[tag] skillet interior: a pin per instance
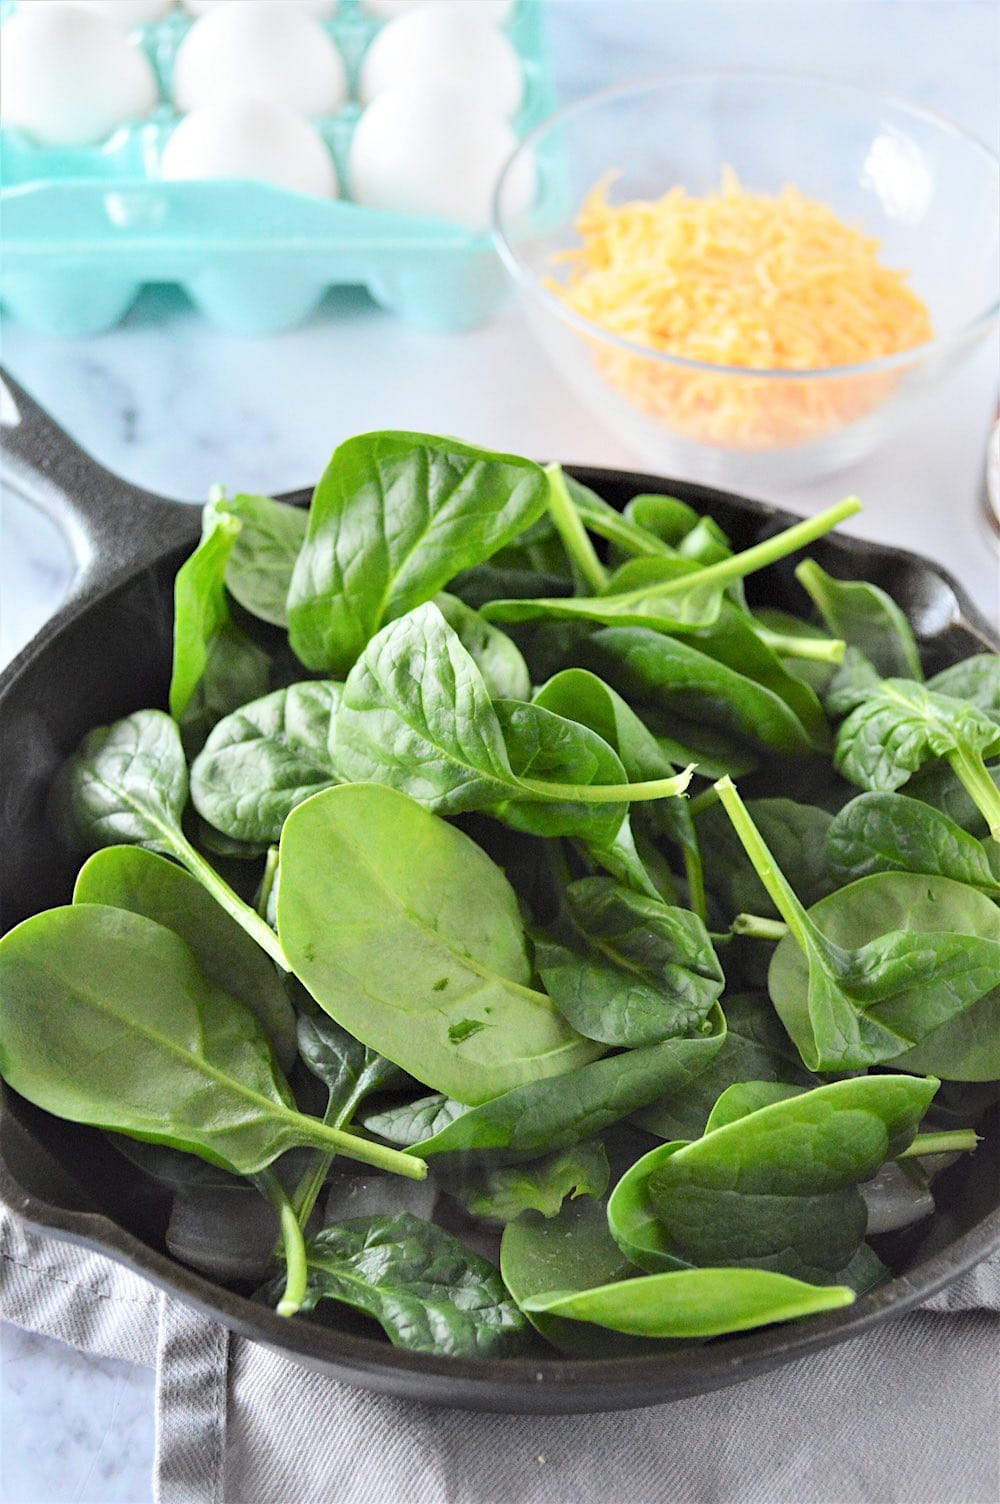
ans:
(99, 661)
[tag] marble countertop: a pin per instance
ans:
(176, 406)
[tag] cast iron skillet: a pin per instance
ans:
(107, 652)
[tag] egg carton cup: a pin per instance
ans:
(84, 228)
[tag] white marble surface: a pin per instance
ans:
(175, 406)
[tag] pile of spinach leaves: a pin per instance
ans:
(432, 866)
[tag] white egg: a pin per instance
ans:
(497, 12)
(250, 138)
(447, 43)
(127, 13)
(68, 76)
(321, 8)
(261, 49)
(434, 149)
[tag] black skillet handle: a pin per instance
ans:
(110, 525)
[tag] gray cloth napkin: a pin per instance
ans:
(909, 1414)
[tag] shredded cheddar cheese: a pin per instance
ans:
(770, 283)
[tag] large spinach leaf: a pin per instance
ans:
(265, 758)
(672, 675)
(550, 1114)
(773, 1182)
(627, 969)
(410, 937)
(395, 516)
(692, 1303)
(416, 715)
(893, 833)
(898, 726)
(426, 1290)
(498, 659)
(109, 1020)
(130, 877)
(866, 618)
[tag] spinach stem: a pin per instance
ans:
(263, 897)
(757, 927)
(778, 888)
(572, 531)
(616, 529)
(611, 793)
(694, 871)
(970, 769)
(223, 894)
(307, 1191)
(738, 566)
(368, 1151)
(292, 1244)
(815, 649)
(955, 1141)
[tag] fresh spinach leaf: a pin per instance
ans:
(409, 1123)
(426, 1290)
(128, 783)
(417, 716)
(626, 969)
(498, 659)
(893, 833)
(265, 758)
(216, 665)
(756, 1048)
(407, 934)
(931, 953)
(109, 1020)
(866, 618)
(669, 593)
(773, 1182)
(692, 1302)
(393, 519)
(262, 558)
(552, 1113)
(946, 998)
(975, 680)
(901, 725)
(672, 676)
(132, 878)
(571, 1251)
(504, 1192)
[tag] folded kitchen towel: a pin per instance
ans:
(908, 1414)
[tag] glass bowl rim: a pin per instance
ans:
(526, 278)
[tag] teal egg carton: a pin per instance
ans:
(85, 228)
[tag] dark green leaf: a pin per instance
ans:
(975, 680)
(260, 565)
(425, 1289)
(125, 783)
(498, 659)
(795, 834)
(866, 618)
(348, 1069)
(265, 758)
(394, 518)
(893, 833)
(627, 969)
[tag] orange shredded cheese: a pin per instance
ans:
(770, 283)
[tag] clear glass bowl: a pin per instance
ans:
(929, 192)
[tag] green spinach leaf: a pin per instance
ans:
(866, 618)
(498, 659)
(426, 1290)
(504, 1192)
(262, 558)
(975, 680)
(900, 725)
(407, 934)
(893, 833)
(394, 518)
(109, 1020)
(130, 877)
(265, 758)
(626, 969)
